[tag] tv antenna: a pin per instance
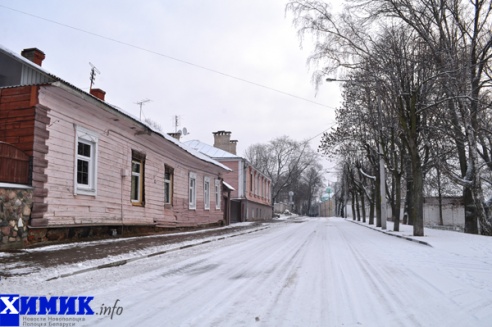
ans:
(176, 123)
(141, 103)
(176, 120)
(94, 71)
(185, 131)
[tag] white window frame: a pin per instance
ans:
(217, 194)
(140, 175)
(192, 191)
(206, 192)
(91, 138)
(168, 198)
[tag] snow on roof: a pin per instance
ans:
(210, 151)
(58, 82)
(228, 186)
(191, 150)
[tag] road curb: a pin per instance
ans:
(395, 235)
(125, 261)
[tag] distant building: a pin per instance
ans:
(252, 195)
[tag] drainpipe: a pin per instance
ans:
(245, 171)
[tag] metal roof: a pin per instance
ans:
(211, 151)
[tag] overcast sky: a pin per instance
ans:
(252, 40)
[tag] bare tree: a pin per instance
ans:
(458, 35)
(429, 58)
(284, 161)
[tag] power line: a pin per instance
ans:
(168, 57)
(312, 138)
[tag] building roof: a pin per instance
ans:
(58, 82)
(228, 186)
(211, 151)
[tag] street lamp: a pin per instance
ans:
(382, 172)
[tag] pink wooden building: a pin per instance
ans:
(94, 164)
(252, 195)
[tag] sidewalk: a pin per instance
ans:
(456, 242)
(405, 232)
(78, 257)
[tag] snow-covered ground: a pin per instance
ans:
(15, 264)
(316, 272)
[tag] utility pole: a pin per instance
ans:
(382, 172)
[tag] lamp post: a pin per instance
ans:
(382, 172)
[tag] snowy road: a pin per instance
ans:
(321, 272)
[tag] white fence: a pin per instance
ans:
(453, 213)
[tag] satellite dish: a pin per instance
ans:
(185, 131)
(179, 132)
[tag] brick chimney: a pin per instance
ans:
(177, 135)
(34, 54)
(222, 140)
(233, 146)
(98, 93)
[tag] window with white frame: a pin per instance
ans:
(137, 178)
(206, 192)
(168, 184)
(192, 191)
(85, 162)
(217, 194)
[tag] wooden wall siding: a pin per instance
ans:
(117, 136)
(17, 114)
(14, 165)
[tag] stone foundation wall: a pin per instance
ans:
(15, 211)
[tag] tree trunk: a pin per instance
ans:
(371, 208)
(459, 139)
(476, 188)
(396, 212)
(417, 213)
(357, 205)
(439, 195)
(407, 218)
(363, 206)
(377, 200)
(353, 207)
